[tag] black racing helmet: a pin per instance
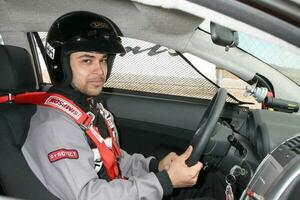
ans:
(79, 31)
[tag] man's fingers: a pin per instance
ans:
(197, 167)
(195, 172)
(187, 153)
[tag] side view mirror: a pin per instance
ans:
(223, 36)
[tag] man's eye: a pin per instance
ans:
(87, 61)
(104, 60)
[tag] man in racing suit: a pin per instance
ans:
(80, 49)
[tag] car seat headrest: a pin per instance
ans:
(16, 71)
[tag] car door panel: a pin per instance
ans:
(154, 125)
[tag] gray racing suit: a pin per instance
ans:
(58, 153)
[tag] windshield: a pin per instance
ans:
(286, 62)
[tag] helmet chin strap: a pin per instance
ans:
(74, 87)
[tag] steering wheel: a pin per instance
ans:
(207, 126)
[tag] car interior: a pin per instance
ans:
(225, 131)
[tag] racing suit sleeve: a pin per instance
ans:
(134, 165)
(69, 178)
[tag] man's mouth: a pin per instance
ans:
(96, 81)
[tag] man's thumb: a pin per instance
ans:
(187, 152)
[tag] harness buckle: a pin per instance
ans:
(91, 115)
(90, 120)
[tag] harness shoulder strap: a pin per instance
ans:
(83, 119)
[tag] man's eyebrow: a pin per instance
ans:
(89, 56)
(86, 56)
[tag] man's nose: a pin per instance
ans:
(99, 68)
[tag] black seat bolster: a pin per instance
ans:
(16, 177)
(17, 76)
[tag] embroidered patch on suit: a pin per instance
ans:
(62, 154)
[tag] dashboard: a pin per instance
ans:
(267, 129)
(272, 161)
(278, 175)
(272, 142)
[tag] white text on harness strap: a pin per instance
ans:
(63, 105)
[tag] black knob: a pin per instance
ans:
(234, 142)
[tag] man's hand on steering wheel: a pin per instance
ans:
(180, 174)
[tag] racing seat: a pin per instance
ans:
(17, 76)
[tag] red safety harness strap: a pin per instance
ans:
(83, 119)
